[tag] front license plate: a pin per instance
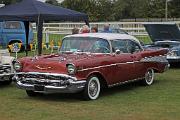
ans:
(39, 88)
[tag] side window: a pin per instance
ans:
(119, 45)
(133, 46)
(12, 25)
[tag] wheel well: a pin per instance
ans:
(155, 70)
(14, 41)
(101, 79)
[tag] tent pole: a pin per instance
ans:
(26, 24)
(39, 34)
(87, 22)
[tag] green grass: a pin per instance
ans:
(144, 39)
(127, 102)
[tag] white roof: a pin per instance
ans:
(108, 36)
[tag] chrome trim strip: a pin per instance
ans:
(159, 58)
(121, 83)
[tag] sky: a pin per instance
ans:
(57, 0)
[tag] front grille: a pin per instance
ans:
(5, 68)
(42, 77)
(38, 82)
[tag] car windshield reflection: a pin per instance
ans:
(85, 44)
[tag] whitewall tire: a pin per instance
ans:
(149, 77)
(92, 88)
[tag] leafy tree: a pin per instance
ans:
(174, 8)
(53, 2)
(7, 2)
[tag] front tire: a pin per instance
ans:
(7, 80)
(92, 88)
(149, 77)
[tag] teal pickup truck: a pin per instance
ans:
(14, 32)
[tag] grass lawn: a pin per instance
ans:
(128, 102)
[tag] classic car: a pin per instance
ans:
(165, 35)
(89, 62)
(6, 68)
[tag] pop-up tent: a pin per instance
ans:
(36, 11)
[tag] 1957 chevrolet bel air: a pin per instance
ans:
(87, 63)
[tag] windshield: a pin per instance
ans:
(85, 44)
(167, 44)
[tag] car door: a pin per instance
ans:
(123, 59)
(136, 50)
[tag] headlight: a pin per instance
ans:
(71, 69)
(17, 65)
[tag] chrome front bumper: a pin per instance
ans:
(41, 82)
(173, 59)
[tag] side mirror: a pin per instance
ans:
(117, 51)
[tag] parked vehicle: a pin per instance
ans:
(87, 63)
(14, 32)
(165, 35)
(6, 68)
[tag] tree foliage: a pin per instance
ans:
(110, 10)
(114, 10)
(53, 2)
(7, 2)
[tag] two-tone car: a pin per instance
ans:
(89, 62)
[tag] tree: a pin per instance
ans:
(7, 2)
(174, 8)
(53, 2)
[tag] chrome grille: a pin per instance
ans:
(5, 68)
(42, 77)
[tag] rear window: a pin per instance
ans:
(12, 25)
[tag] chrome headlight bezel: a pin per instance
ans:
(71, 69)
(17, 65)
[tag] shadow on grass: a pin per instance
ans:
(5, 85)
(77, 97)
(175, 65)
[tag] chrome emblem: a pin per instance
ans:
(42, 68)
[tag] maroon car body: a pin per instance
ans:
(120, 59)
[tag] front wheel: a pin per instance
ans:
(149, 77)
(92, 88)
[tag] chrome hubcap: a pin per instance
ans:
(149, 76)
(93, 88)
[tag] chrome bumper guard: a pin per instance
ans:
(48, 82)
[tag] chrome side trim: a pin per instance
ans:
(125, 82)
(96, 67)
(160, 58)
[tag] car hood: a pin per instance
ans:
(56, 63)
(162, 32)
